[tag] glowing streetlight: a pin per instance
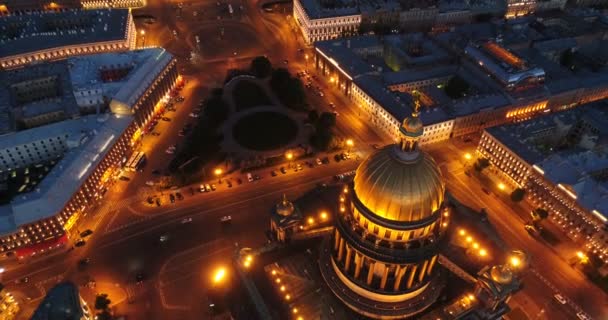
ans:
(311, 220)
(283, 288)
(475, 245)
(469, 239)
(349, 143)
(483, 252)
(289, 157)
(468, 156)
(462, 232)
(515, 261)
(219, 275)
(218, 173)
(142, 32)
(582, 256)
(306, 59)
(287, 297)
(278, 280)
(501, 186)
(324, 215)
(274, 272)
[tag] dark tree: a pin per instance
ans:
(540, 214)
(102, 302)
(566, 59)
(456, 87)
(104, 315)
(289, 89)
(518, 195)
(280, 79)
(481, 164)
(313, 116)
(216, 111)
(261, 67)
(327, 120)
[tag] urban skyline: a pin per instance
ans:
(300, 160)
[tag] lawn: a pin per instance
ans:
(248, 94)
(265, 131)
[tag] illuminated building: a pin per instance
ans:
(20, 6)
(64, 302)
(568, 182)
(285, 220)
(48, 36)
(89, 149)
(388, 236)
(518, 8)
(9, 308)
(97, 4)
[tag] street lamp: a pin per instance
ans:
(501, 186)
(323, 215)
(218, 173)
(219, 275)
(350, 143)
(582, 256)
(289, 157)
(306, 59)
(142, 32)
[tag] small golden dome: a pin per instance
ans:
(501, 275)
(285, 207)
(412, 126)
(399, 186)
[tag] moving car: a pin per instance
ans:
(186, 220)
(583, 316)
(150, 183)
(86, 233)
(226, 219)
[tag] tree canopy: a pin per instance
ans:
(518, 195)
(456, 87)
(289, 89)
(260, 67)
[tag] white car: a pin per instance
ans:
(193, 115)
(201, 188)
(226, 219)
(319, 162)
(150, 183)
(186, 220)
(583, 316)
(170, 151)
(249, 177)
(559, 298)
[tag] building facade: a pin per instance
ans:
(569, 186)
(89, 157)
(324, 27)
(48, 36)
(100, 4)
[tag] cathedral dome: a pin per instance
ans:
(398, 186)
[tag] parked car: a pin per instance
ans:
(201, 188)
(150, 183)
(559, 298)
(193, 115)
(249, 177)
(172, 198)
(186, 220)
(213, 187)
(123, 178)
(583, 316)
(273, 173)
(318, 161)
(86, 233)
(158, 202)
(229, 183)
(226, 219)
(239, 181)
(207, 188)
(179, 196)
(283, 170)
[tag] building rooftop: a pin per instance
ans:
(62, 302)
(93, 137)
(575, 166)
(36, 31)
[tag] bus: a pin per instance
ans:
(136, 162)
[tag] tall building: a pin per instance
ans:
(381, 259)
(63, 302)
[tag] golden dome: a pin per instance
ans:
(412, 126)
(399, 186)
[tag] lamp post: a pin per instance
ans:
(467, 158)
(218, 173)
(289, 157)
(306, 59)
(142, 32)
(349, 143)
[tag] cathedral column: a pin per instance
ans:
(423, 270)
(384, 277)
(399, 275)
(370, 272)
(410, 280)
(341, 249)
(431, 265)
(336, 239)
(358, 264)
(349, 253)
